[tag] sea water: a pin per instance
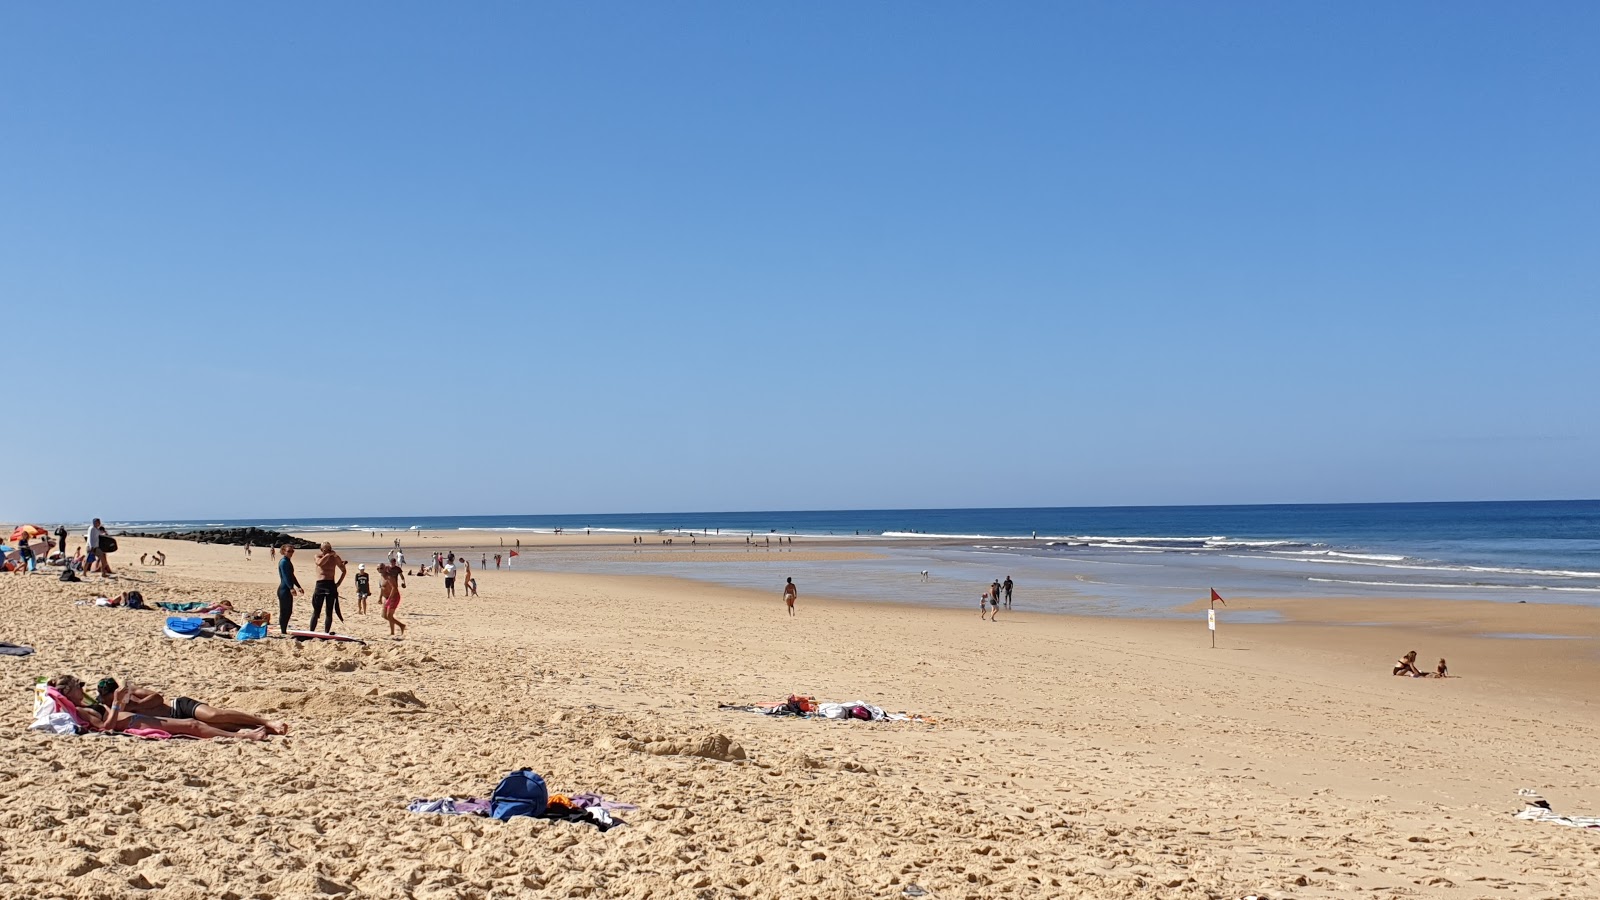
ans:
(1128, 560)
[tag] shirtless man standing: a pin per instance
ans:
(391, 578)
(326, 592)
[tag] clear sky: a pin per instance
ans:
(421, 258)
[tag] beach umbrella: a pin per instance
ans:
(27, 532)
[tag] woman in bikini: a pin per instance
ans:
(147, 702)
(116, 716)
(1407, 665)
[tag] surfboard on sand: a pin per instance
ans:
(323, 636)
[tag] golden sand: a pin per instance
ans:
(1073, 757)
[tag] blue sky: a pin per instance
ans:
(369, 259)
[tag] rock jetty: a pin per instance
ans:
(259, 537)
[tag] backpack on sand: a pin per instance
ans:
(522, 793)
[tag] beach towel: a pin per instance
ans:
(853, 709)
(14, 649)
(1538, 810)
(184, 607)
(594, 810)
(451, 806)
(53, 713)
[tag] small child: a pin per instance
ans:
(1443, 671)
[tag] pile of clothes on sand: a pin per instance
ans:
(523, 793)
(811, 708)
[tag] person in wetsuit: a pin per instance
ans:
(288, 586)
(326, 591)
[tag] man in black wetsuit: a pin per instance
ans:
(326, 592)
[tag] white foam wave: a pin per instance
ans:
(952, 537)
(1458, 586)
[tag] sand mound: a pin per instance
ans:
(707, 746)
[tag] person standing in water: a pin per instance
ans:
(326, 591)
(790, 592)
(1007, 586)
(288, 586)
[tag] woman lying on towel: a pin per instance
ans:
(144, 701)
(117, 716)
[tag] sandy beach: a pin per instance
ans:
(1066, 756)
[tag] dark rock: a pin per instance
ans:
(258, 537)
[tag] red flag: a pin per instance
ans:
(515, 553)
(1217, 598)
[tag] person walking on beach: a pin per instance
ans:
(790, 592)
(1007, 586)
(466, 576)
(363, 588)
(98, 554)
(288, 586)
(61, 539)
(994, 593)
(449, 580)
(326, 591)
(391, 578)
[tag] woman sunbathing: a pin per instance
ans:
(144, 701)
(1407, 665)
(116, 718)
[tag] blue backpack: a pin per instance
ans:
(522, 793)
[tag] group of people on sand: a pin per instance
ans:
(122, 707)
(1407, 666)
(331, 571)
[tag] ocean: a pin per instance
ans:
(1117, 560)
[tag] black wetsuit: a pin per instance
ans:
(286, 585)
(324, 594)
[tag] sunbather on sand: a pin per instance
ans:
(148, 702)
(1407, 665)
(116, 716)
